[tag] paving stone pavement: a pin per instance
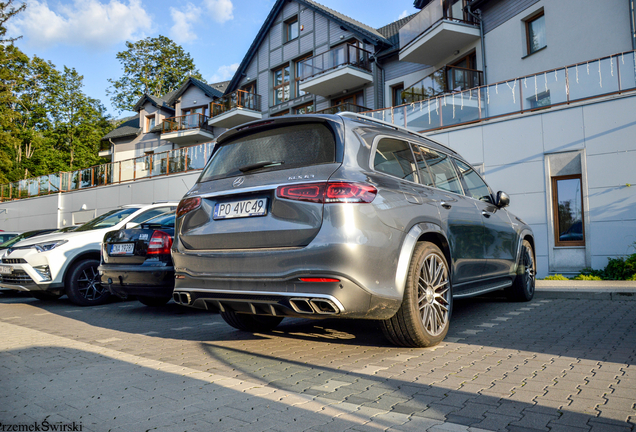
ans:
(547, 365)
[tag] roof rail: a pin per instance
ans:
(356, 116)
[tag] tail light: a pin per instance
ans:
(327, 193)
(160, 243)
(309, 279)
(187, 205)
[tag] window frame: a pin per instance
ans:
(150, 119)
(188, 110)
(394, 89)
(464, 183)
(305, 105)
(528, 23)
(296, 74)
(555, 211)
(288, 23)
(283, 83)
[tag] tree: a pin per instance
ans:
(153, 66)
(7, 11)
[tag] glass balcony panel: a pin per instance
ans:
(143, 167)
(593, 79)
(428, 16)
(177, 160)
(423, 115)
(127, 170)
(160, 164)
(54, 182)
(338, 56)
(502, 98)
(543, 90)
(33, 185)
(196, 157)
(103, 174)
(627, 65)
(86, 178)
(237, 99)
(44, 184)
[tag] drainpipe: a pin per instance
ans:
(633, 22)
(379, 88)
(112, 149)
(477, 15)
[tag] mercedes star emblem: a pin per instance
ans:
(239, 181)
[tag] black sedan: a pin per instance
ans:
(137, 261)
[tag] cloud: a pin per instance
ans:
(220, 10)
(224, 73)
(83, 22)
(184, 20)
(404, 14)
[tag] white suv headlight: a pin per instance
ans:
(43, 247)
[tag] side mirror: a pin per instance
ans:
(131, 225)
(503, 200)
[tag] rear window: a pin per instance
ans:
(275, 149)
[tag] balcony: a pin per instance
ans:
(440, 29)
(235, 109)
(448, 79)
(105, 150)
(187, 129)
(338, 70)
(343, 107)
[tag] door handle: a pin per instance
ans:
(484, 213)
(445, 205)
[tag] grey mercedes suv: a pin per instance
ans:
(342, 216)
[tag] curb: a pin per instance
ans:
(586, 290)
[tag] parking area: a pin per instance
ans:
(548, 365)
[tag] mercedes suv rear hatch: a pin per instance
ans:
(262, 188)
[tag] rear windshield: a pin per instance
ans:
(280, 148)
(108, 219)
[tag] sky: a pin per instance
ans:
(88, 34)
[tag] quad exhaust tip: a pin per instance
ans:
(182, 298)
(314, 306)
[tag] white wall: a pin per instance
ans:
(576, 31)
(514, 150)
(56, 211)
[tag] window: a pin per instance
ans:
(355, 98)
(302, 67)
(291, 29)
(540, 100)
(304, 109)
(149, 214)
(194, 110)
(394, 157)
(474, 186)
(396, 94)
(150, 122)
(535, 33)
(567, 200)
(247, 98)
(281, 84)
(442, 170)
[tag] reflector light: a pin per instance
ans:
(187, 205)
(160, 243)
(319, 280)
(329, 193)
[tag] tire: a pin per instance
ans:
(424, 317)
(154, 301)
(251, 323)
(44, 295)
(83, 286)
(522, 289)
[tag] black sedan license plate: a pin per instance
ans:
(122, 249)
(239, 209)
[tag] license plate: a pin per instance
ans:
(6, 270)
(122, 249)
(239, 209)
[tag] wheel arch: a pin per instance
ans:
(90, 254)
(418, 233)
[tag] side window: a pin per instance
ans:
(474, 185)
(425, 176)
(148, 214)
(442, 170)
(394, 157)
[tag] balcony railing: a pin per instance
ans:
(339, 56)
(588, 80)
(434, 12)
(444, 80)
(185, 122)
(153, 165)
(237, 99)
(342, 108)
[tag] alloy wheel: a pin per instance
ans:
(433, 294)
(89, 284)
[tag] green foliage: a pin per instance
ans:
(587, 277)
(7, 10)
(616, 269)
(153, 66)
(556, 277)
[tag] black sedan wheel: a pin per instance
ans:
(83, 285)
(522, 288)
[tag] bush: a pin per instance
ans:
(587, 277)
(556, 277)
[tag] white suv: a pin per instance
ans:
(51, 265)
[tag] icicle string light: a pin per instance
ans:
(600, 77)
(525, 82)
(453, 102)
(611, 66)
(577, 73)
(556, 76)
(588, 67)
(536, 90)
(461, 95)
(488, 95)
(429, 111)
(512, 89)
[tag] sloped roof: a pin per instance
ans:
(363, 31)
(205, 88)
(129, 127)
(159, 102)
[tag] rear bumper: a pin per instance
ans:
(123, 281)
(285, 297)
